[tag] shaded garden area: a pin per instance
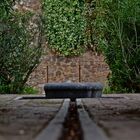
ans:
(70, 28)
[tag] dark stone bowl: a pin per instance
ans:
(73, 90)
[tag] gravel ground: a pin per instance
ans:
(24, 119)
(118, 115)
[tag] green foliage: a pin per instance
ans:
(65, 26)
(90, 10)
(25, 90)
(107, 90)
(19, 55)
(117, 27)
(30, 90)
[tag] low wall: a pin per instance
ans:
(86, 68)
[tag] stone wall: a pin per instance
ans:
(86, 68)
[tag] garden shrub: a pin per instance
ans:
(117, 27)
(20, 47)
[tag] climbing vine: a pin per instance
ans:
(65, 26)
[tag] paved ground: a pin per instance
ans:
(24, 119)
(119, 116)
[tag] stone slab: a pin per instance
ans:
(90, 130)
(54, 129)
(118, 115)
(24, 119)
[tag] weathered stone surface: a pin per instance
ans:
(24, 119)
(117, 114)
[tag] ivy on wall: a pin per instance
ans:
(65, 24)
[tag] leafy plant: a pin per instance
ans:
(30, 90)
(20, 47)
(117, 27)
(90, 10)
(65, 25)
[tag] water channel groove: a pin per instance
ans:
(72, 127)
(72, 122)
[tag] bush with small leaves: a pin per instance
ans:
(20, 47)
(117, 27)
(65, 25)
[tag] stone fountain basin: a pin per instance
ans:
(73, 90)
